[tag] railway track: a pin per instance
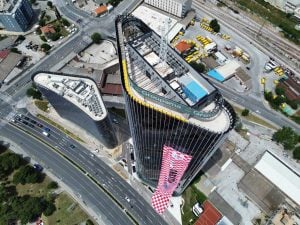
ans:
(288, 52)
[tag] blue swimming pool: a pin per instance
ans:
(214, 74)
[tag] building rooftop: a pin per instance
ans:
(182, 46)
(170, 85)
(100, 10)
(8, 6)
(281, 175)
(8, 64)
(146, 48)
(80, 91)
(209, 216)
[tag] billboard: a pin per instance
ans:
(174, 163)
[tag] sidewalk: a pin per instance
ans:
(17, 149)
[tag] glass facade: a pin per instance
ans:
(156, 120)
(102, 129)
(151, 130)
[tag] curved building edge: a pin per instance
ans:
(100, 129)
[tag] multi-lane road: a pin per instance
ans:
(109, 213)
(109, 180)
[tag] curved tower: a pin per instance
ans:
(78, 99)
(169, 107)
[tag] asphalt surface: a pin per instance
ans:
(94, 166)
(79, 182)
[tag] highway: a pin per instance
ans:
(105, 176)
(80, 183)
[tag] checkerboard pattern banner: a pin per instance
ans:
(174, 164)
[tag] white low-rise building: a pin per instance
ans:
(175, 7)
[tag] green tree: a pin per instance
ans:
(27, 208)
(96, 38)
(27, 174)
(50, 4)
(34, 93)
(65, 22)
(287, 137)
(42, 22)
(215, 25)
(43, 38)
(52, 185)
(245, 112)
(89, 222)
(296, 153)
(15, 50)
(45, 47)
(269, 96)
(199, 67)
(50, 209)
(38, 31)
(33, 2)
(53, 36)
(9, 162)
(279, 91)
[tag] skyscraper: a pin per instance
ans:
(169, 107)
(16, 15)
(77, 99)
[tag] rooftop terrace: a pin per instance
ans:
(170, 86)
(80, 91)
(172, 79)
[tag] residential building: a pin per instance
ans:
(78, 99)
(16, 15)
(177, 8)
(170, 107)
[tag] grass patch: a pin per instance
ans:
(34, 190)
(253, 118)
(274, 16)
(60, 127)
(191, 196)
(42, 105)
(67, 212)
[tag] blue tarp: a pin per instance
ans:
(214, 74)
(194, 91)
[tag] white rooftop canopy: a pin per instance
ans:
(286, 179)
